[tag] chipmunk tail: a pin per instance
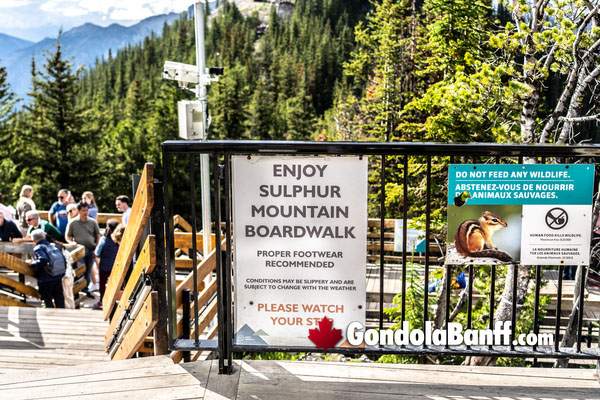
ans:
(500, 255)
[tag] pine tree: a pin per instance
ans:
(59, 149)
(384, 61)
(7, 117)
(7, 100)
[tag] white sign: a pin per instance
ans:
(556, 235)
(300, 226)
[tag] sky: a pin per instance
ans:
(35, 20)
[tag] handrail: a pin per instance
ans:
(411, 164)
(140, 213)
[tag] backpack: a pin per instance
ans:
(57, 264)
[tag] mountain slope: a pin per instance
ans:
(83, 45)
(10, 44)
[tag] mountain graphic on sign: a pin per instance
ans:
(261, 333)
(246, 335)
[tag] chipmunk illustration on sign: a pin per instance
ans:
(474, 237)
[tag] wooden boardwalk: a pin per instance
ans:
(158, 378)
(35, 338)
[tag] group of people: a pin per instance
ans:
(70, 223)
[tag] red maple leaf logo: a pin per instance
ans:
(325, 336)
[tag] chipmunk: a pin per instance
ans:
(474, 237)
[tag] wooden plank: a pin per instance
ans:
(18, 247)
(147, 346)
(376, 223)
(183, 240)
(222, 386)
(79, 286)
(32, 378)
(409, 258)
(145, 264)
(140, 213)
(166, 382)
(203, 320)
(377, 235)
(205, 267)
(20, 287)
(389, 246)
(78, 253)
(16, 264)
(10, 302)
(203, 298)
(103, 218)
(79, 271)
(179, 220)
(185, 263)
(142, 326)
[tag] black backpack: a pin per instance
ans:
(57, 264)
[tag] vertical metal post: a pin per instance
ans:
(448, 288)
(381, 242)
(492, 298)
(582, 282)
(157, 228)
(513, 325)
(427, 233)
(185, 321)
(194, 254)
(201, 95)
(404, 233)
(228, 292)
(536, 310)
(558, 308)
(170, 247)
(222, 301)
(470, 299)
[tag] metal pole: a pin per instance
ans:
(185, 328)
(201, 95)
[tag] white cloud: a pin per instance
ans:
(130, 13)
(114, 9)
(14, 3)
(36, 19)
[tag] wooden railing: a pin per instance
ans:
(129, 302)
(18, 288)
(206, 282)
(101, 218)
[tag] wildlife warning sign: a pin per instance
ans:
(300, 226)
(527, 213)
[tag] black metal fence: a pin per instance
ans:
(386, 158)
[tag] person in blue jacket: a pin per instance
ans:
(106, 253)
(49, 285)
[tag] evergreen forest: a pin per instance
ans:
(384, 70)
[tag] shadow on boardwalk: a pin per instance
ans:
(35, 338)
(159, 378)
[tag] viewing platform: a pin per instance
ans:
(33, 338)
(158, 378)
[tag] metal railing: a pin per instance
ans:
(387, 157)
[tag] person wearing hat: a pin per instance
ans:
(35, 222)
(8, 230)
(48, 263)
